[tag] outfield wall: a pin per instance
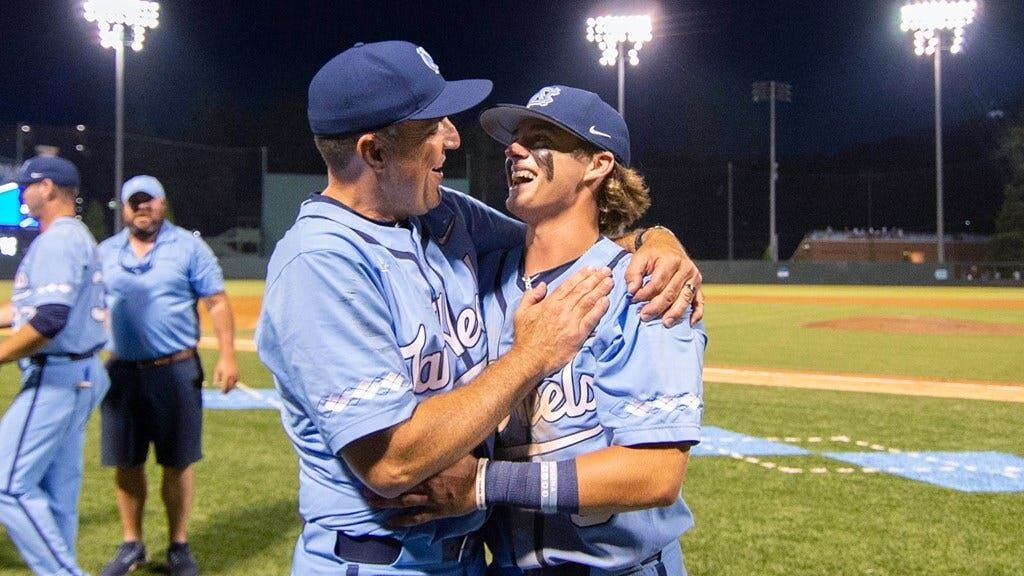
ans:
(875, 273)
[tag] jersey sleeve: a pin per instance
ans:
(58, 267)
(648, 379)
(489, 229)
(334, 349)
(204, 272)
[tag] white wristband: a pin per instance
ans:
(481, 484)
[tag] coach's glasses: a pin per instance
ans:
(140, 266)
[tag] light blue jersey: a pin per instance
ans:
(153, 300)
(632, 383)
(362, 321)
(43, 430)
(60, 267)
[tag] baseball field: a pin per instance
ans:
(848, 430)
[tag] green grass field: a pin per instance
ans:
(750, 519)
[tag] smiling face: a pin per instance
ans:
(545, 167)
(414, 153)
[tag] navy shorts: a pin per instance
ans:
(162, 405)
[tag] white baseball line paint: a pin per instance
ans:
(272, 401)
(249, 391)
(851, 383)
(940, 465)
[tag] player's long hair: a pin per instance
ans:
(621, 200)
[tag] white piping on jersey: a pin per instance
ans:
(538, 448)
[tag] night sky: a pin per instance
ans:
(855, 77)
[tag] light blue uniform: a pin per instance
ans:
(632, 383)
(153, 300)
(41, 434)
(361, 321)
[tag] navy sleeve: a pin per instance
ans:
(50, 319)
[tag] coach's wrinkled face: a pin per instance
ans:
(144, 214)
(414, 154)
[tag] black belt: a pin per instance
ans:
(574, 569)
(40, 359)
(167, 360)
(385, 550)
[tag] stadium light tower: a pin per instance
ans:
(772, 91)
(121, 23)
(613, 34)
(938, 25)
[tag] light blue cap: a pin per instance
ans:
(142, 183)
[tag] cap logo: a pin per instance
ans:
(596, 132)
(544, 96)
(36, 175)
(425, 56)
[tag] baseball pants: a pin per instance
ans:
(41, 461)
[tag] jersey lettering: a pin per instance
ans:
(562, 397)
(432, 370)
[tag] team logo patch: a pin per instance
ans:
(544, 96)
(425, 56)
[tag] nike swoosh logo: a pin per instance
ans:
(596, 132)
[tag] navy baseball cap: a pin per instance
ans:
(35, 169)
(142, 183)
(371, 86)
(580, 112)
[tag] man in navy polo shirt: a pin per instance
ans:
(155, 274)
(57, 310)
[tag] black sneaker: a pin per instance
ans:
(180, 561)
(130, 555)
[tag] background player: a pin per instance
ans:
(57, 310)
(156, 273)
(595, 458)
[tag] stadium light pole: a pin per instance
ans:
(938, 25)
(783, 92)
(19, 141)
(618, 38)
(121, 23)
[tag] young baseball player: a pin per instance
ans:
(587, 471)
(57, 311)
(371, 320)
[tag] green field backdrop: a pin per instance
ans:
(750, 519)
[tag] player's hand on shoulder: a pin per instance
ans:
(673, 279)
(550, 328)
(451, 492)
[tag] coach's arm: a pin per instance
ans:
(444, 428)
(26, 341)
(612, 480)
